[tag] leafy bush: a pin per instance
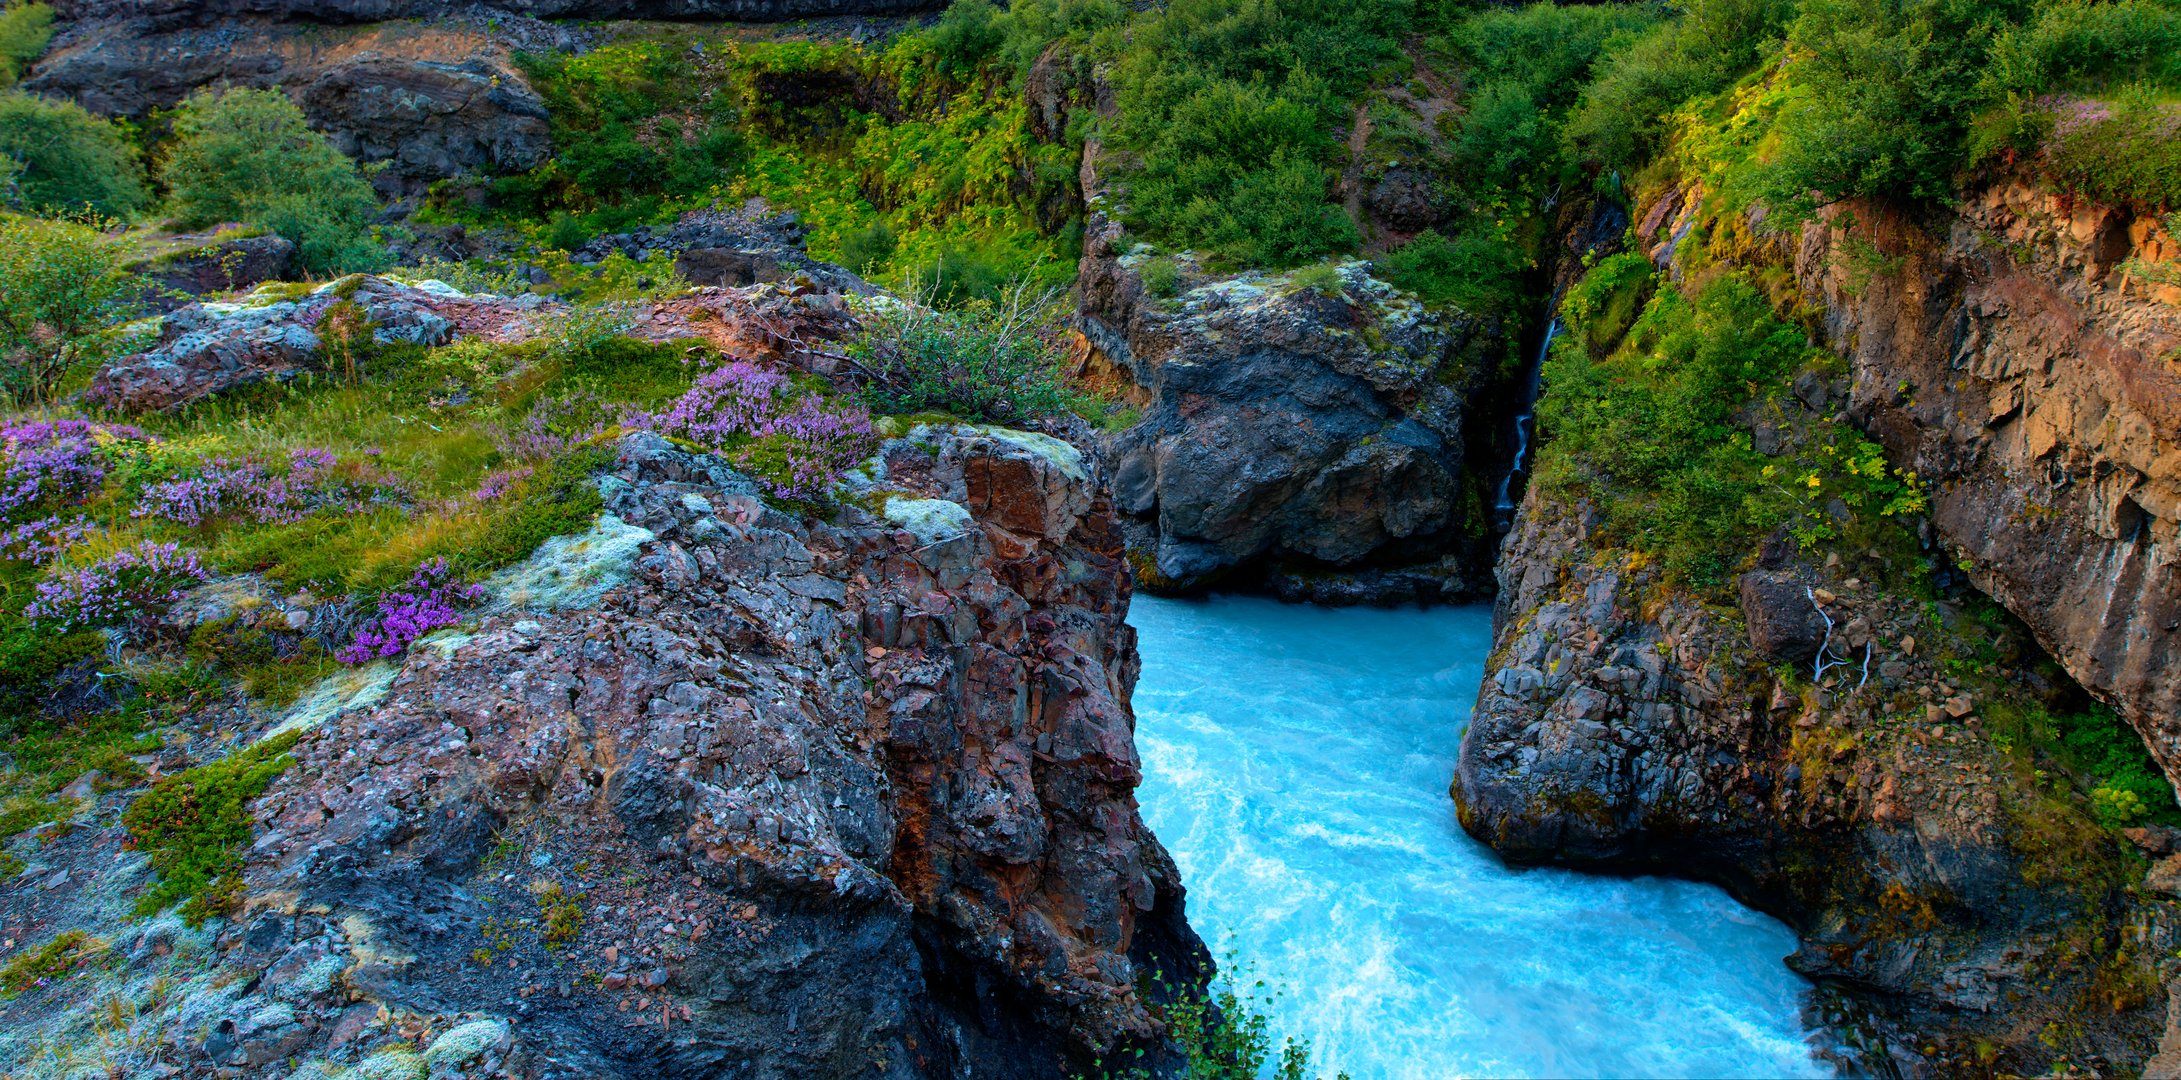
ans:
(1623, 115)
(1477, 272)
(966, 35)
(25, 30)
(1031, 26)
(1230, 111)
(62, 287)
(1544, 50)
(249, 155)
(67, 161)
(1650, 433)
(1161, 276)
(2087, 46)
(196, 827)
(992, 362)
(1884, 90)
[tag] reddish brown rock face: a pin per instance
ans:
(863, 800)
(2020, 371)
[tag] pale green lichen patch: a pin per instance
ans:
(571, 572)
(398, 1063)
(929, 520)
(355, 688)
(465, 1043)
(1062, 455)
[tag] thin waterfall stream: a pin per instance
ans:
(1296, 762)
(1518, 464)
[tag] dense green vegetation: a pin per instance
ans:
(194, 827)
(905, 164)
(63, 160)
(1647, 412)
(25, 30)
(249, 156)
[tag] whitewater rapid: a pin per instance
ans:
(1296, 762)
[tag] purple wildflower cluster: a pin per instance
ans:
(499, 482)
(432, 600)
(227, 485)
(43, 540)
(116, 588)
(816, 440)
(54, 461)
(555, 425)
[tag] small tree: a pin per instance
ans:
(62, 287)
(248, 155)
(25, 29)
(68, 161)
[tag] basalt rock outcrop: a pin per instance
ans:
(216, 262)
(1944, 906)
(1309, 435)
(423, 99)
(1816, 740)
(711, 790)
(2026, 366)
(278, 332)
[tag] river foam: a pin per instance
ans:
(1296, 762)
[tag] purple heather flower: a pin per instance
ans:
(819, 440)
(225, 485)
(54, 461)
(499, 482)
(123, 585)
(433, 599)
(43, 540)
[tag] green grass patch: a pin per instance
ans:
(196, 828)
(56, 959)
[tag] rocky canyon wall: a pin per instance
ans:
(2014, 358)
(1825, 747)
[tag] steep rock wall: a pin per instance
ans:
(1948, 909)
(2015, 364)
(1948, 899)
(428, 99)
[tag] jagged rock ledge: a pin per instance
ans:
(713, 788)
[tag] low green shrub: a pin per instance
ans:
(62, 288)
(993, 362)
(1161, 276)
(196, 827)
(68, 161)
(1476, 271)
(250, 156)
(25, 30)
(56, 959)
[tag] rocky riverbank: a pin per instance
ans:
(1832, 740)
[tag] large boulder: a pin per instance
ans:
(805, 799)
(216, 262)
(1314, 427)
